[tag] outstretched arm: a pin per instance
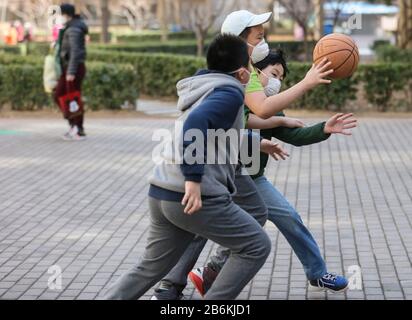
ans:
(339, 123)
(265, 107)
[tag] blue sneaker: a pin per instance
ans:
(331, 282)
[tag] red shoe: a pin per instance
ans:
(202, 279)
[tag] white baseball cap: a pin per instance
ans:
(237, 21)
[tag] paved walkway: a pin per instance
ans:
(82, 207)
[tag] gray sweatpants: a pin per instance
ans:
(172, 231)
(248, 198)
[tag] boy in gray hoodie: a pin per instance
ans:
(195, 198)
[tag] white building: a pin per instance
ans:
(364, 22)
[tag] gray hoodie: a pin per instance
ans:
(208, 99)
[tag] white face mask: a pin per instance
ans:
(249, 73)
(62, 20)
(273, 86)
(260, 51)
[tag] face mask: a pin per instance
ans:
(273, 86)
(250, 78)
(260, 51)
(63, 20)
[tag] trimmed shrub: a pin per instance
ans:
(155, 36)
(334, 96)
(96, 36)
(186, 47)
(389, 53)
(109, 83)
(106, 86)
(9, 49)
(19, 59)
(31, 48)
(157, 73)
(21, 86)
(382, 80)
(293, 49)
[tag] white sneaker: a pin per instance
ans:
(73, 135)
(77, 137)
(68, 136)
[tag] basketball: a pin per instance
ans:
(341, 50)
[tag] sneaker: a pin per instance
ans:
(167, 291)
(202, 279)
(68, 136)
(74, 135)
(331, 282)
(81, 132)
(78, 137)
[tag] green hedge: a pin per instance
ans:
(9, 49)
(32, 48)
(107, 86)
(155, 36)
(293, 49)
(331, 97)
(6, 59)
(385, 86)
(381, 81)
(97, 36)
(186, 47)
(389, 53)
(21, 86)
(158, 73)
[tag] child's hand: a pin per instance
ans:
(292, 123)
(341, 123)
(317, 74)
(273, 149)
(192, 199)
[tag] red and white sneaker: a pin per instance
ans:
(74, 135)
(202, 279)
(68, 136)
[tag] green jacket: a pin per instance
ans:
(294, 136)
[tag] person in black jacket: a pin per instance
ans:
(71, 55)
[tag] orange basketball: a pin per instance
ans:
(341, 50)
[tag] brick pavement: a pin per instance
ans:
(82, 206)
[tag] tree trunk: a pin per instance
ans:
(161, 16)
(305, 42)
(272, 22)
(3, 6)
(318, 19)
(105, 20)
(404, 40)
(177, 7)
(200, 40)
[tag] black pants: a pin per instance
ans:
(61, 90)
